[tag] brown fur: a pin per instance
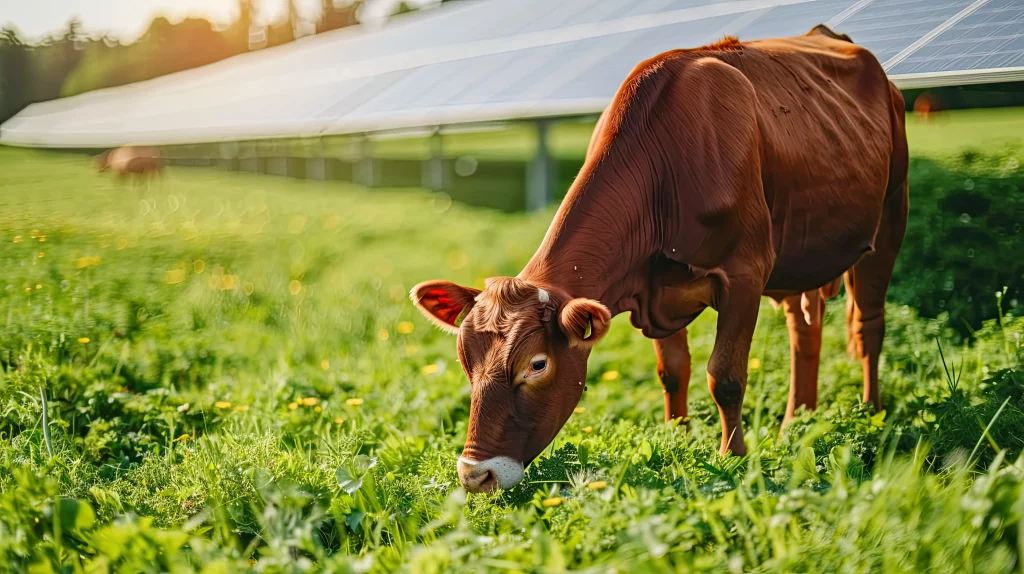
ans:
(139, 164)
(715, 176)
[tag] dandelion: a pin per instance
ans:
(579, 410)
(222, 405)
(339, 420)
(182, 438)
(294, 287)
(83, 340)
(42, 254)
(755, 363)
(383, 335)
(610, 376)
(293, 406)
(198, 266)
(324, 364)
(430, 369)
(34, 234)
(310, 401)
(28, 289)
(228, 282)
(354, 402)
(174, 276)
(42, 238)
(38, 286)
(597, 485)
(17, 239)
(317, 409)
(405, 327)
(242, 408)
(83, 262)
(588, 429)
(549, 502)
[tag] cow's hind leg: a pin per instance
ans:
(803, 319)
(674, 371)
(866, 283)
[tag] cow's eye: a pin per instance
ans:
(538, 365)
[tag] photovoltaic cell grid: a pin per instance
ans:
(506, 59)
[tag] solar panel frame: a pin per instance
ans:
(505, 59)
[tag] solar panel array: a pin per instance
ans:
(506, 59)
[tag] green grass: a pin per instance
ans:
(942, 134)
(234, 376)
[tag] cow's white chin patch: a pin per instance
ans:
(506, 471)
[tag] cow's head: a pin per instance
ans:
(525, 352)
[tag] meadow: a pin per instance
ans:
(226, 374)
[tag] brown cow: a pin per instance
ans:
(140, 164)
(804, 313)
(719, 174)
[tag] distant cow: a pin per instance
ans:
(719, 174)
(140, 164)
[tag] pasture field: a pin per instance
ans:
(235, 379)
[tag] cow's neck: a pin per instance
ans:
(603, 237)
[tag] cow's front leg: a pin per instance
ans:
(727, 367)
(674, 371)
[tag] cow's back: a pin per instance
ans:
(825, 119)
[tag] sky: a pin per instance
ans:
(123, 19)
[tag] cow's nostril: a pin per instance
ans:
(489, 482)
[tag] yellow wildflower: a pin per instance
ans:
(610, 376)
(228, 282)
(83, 340)
(412, 349)
(755, 363)
(383, 335)
(42, 254)
(588, 429)
(325, 364)
(42, 238)
(222, 405)
(339, 420)
(242, 408)
(182, 438)
(17, 239)
(310, 401)
(317, 410)
(83, 262)
(39, 286)
(354, 402)
(597, 485)
(430, 369)
(293, 406)
(174, 276)
(579, 410)
(549, 502)
(405, 327)
(294, 286)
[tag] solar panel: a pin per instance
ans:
(495, 60)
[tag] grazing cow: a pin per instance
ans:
(718, 174)
(138, 163)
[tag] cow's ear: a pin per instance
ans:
(584, 322)
(444, 303)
